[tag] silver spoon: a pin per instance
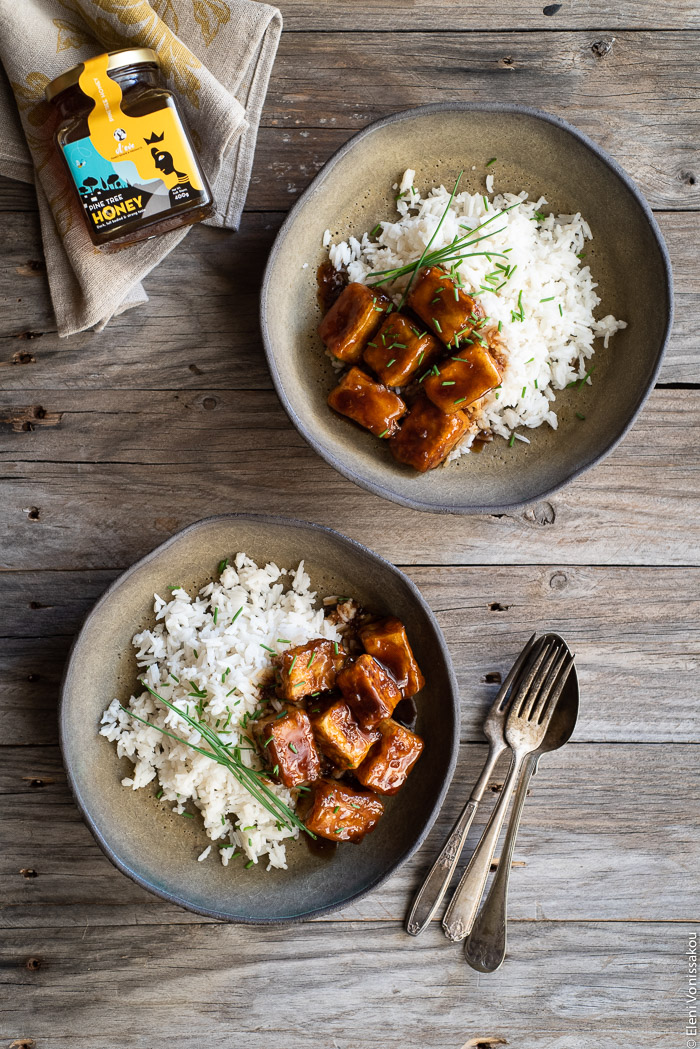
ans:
(485, 948)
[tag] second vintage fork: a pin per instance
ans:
(435, 886)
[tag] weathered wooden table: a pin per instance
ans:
(111, 442)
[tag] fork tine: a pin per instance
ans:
(540, 679)
(514, 671)
(521, 695)
(548, 703)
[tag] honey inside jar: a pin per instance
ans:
(132, 164)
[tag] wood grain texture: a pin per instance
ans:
(180, 340)
(504, 15)
(633, 630)
(622, 868)
(167, 989)
(176, 457)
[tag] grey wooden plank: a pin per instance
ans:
(633, 630)
(200, 328)
(639, 506)
(335, 987)
(639, 101)
(583, 853)
(504, 15)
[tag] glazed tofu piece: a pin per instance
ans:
(339, 736)
(443, 306)
(288, 747)
(399, 349)
(428, 435)
(462, 379)
(367, 403)
(387, 641)
(340, 813)
(369, 690)
(309, 668)
(389, 762)
(352, 320)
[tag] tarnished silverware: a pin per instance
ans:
(434, 887)
(485, 948)
(526, 725)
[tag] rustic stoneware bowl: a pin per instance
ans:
(537, 152)
(158, 849)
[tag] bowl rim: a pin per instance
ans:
(83, 805)
(377, 488)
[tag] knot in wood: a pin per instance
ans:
(33, 964)
(601, 48)
(541, 514)
(558, 581)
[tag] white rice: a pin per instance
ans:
(227, 658)
(547, 350)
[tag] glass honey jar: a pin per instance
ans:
(132, 164)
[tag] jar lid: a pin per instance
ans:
(127, 56)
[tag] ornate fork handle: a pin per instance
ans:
(435, 885)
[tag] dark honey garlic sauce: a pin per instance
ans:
(330, 283)
(406, 713)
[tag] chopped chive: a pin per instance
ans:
(446, 382)
(550, 299)
(216, 615)
(275, 770)
(311, 659)
(230, 693)
(268, 741)
(491, 161)
(250, 842)
(392, 361)
(435, 370)
(267, 648)
(292, 748)
(536, 386)
(511, 442)
(175, 587)
(579, 416)
(436, 323)
(500, 325)
(338, 830)
(486, 204)
(384, 432)
(222, 565)
(291, 666)
(581, 255)
(459, 400)
(159, 795)
(236, 615)
(248, 865)
(335, 647)
(376, 229)
(336, 809)
(561, 312)
(300, 683)
(523, 393)
(189, 815)
(175, 679)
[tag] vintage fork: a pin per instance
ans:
(530, 713)
(431, 892)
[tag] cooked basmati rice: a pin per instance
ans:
(552, 345)
(206, 642)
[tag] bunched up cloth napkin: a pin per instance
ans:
(216, 55)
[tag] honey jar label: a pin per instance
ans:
(128, 167)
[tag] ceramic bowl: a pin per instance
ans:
(158, 849)
(536, 152)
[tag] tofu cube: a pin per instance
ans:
(387, 641)
(288, 747)
(428, 435)
(340, 813)
(309, 668)
(391, 759)
(369, 690)
(352, 320)
(399, 349)
(462, 379)
(367, 402)
(339, 736)
(443, 306)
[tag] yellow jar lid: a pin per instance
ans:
(127, 56)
